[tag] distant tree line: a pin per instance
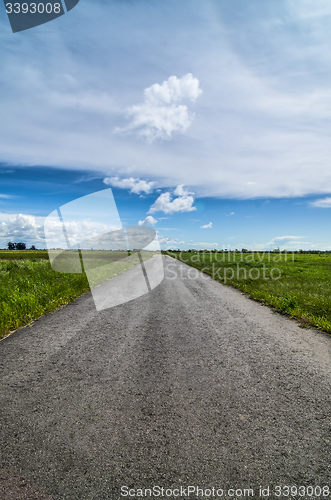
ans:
(18, 246)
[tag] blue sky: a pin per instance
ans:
(209, 120)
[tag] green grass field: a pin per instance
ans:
(30, 287)
(24, 254)
(296, 284)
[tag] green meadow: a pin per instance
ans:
(295, 284)
(30, 287)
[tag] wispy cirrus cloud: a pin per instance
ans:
(322, 203)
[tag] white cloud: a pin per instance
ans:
(91, 101)
(307, 9)
(169, 242)
(206, 226)
(134, 185)
(30, 230)
(263, 127)
(174, 89)
(164, 203)
(148, 221)
(6, 196)
(26, 228)
(205, 244)
(280, 241)
(161, 114)
(159, 122)
(322, 203)
(79, 231)
(181, 191)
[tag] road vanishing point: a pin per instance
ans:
(192, 384)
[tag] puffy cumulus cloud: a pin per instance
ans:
(148, 221)
(137, 186)
(159, 122)
(161, 114)
(174, 89)
(207, 226)
(26, 228)
(322, 203)
(31, 230)
(91, 234)
(166, 204)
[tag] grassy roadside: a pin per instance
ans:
(298, 285)
(30, 287)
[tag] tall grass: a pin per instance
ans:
(31, 288)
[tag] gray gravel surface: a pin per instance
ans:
(191, 384)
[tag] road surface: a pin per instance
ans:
(192, 384)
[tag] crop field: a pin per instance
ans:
(296, 284)
(30, 287)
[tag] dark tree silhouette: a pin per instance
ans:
(20, 246)
(16, 246)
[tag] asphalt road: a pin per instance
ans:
(192, 384)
